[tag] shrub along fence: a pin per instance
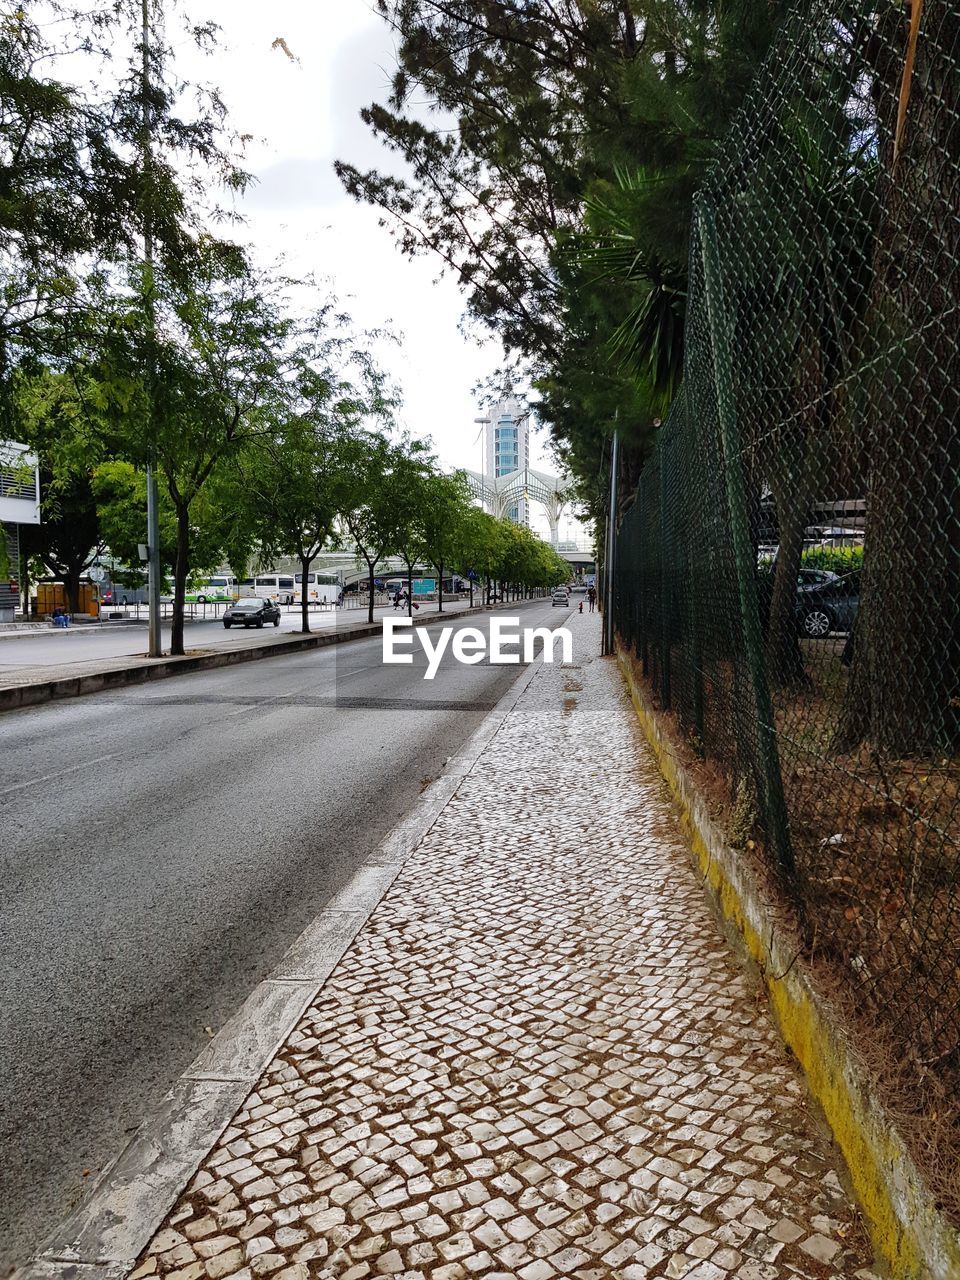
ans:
(822, 377)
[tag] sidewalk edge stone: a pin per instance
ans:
(907, 1229)
(102, 1238)
(106, 1230)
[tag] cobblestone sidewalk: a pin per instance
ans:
(537, 1059)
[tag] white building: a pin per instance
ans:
(506, 446)
(19, 504)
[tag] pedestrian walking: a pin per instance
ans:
(592, 597)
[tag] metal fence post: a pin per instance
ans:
(743, 555)
(663, 447)
(611, 547)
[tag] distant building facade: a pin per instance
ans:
(506, 447)
(19, 504)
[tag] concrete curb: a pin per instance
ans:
(907, 1229)
(102, 1239)
(13, 697)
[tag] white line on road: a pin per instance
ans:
(87, 764)
(52, 777)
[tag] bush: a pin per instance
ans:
(836, 559)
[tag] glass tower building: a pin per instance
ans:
(506, 436)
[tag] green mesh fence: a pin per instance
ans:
(788, 576)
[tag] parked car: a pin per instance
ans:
(251, 612)
(811, 579)
(560, 597)
(826, 602)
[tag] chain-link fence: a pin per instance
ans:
(788, 576)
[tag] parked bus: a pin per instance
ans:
(115, 595)
(278, 587)
(322, 588)
(218, 589)
(285, 588)
(221, 589)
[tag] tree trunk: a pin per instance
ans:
(180, 570)
(371, 565)
(304, 601)
(905, 675)
(71, 587)
(440, 587)
(784, 659)
(409, 590)
(470, 580)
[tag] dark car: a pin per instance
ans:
(251, 613)
(827, 604)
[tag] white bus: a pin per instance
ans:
(219, 589)
(285, 588)
(222, 589)
(322, 588)
(278, 587)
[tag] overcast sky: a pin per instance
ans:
(302, 116)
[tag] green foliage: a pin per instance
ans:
(499, 550)
(267, 433)
(120, 491)
(481, 538)
(69, 537)
(446, 502)
(592, 125)
(298, 480)
(73, 188)
(837, 559)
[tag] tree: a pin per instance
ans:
(481, 543)
(120, 492)
(365, 501)
(446, 501)
(51, 207)
(526, 561)
(469, 555)
(905, 676)
(291, 483)
(558, 103)
(73, 196)
(219, 527)
(794, 329)
(411, 487)
(207, 384)
(69, 538)
(92, 182)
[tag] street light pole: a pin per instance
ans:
(154, 645)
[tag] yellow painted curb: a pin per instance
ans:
(908, 1231)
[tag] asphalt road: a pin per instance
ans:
(89, 643)
(160, 847)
